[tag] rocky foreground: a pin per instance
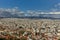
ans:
(29, 29)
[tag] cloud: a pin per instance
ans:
(57, 5)
(15, 12)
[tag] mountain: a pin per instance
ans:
(14, 13)
(41, 16)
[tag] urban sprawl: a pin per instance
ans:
(29, 29)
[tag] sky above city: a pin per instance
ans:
(31, 4)
(30, 8)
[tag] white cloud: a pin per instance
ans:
(20, 13)
(55, 9)
(57, 5)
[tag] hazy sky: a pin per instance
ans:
(31, 4)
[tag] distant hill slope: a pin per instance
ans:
(41, 16)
